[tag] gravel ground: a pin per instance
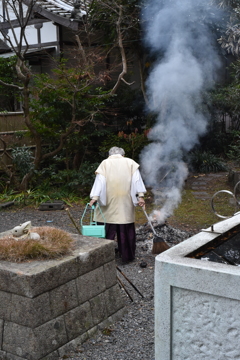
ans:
(132, 337)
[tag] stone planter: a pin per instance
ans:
(197, 303)
(50, 307)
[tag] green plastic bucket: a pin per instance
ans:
(92, 229)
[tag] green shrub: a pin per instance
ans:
(216, 142)
(205, 162)
(22, 160)
(234, 148)
(64, 183)
(132, 143)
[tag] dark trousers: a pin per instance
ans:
(126, 238)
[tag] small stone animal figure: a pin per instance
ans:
(22, 229)
(33, 236)
(21, 232)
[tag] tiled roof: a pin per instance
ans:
(64, 8)
(68, 13)
(65, 12)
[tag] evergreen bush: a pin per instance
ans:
(206, 162)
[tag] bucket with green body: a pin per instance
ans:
(92, 228)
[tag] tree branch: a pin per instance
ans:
(61, 142)
(81, 50)
(142, 82)
(11, 85)
(5, 149)
(127, 82)
(122, 51)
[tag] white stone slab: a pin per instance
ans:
(197, 303)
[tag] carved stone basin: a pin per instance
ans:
(197, 301)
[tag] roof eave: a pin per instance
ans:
(69, 23)
(64, 21)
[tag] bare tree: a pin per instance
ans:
(124, 17)
(84, 76)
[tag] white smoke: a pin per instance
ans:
(178, 33)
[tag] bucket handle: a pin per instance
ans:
(93, 207)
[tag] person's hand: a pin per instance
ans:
(93, 201)
(141, 202)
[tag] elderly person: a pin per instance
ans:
(118, 187)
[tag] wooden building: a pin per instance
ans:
(51, 29)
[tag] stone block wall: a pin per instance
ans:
(51, 307)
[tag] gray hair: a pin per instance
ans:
(116, 150)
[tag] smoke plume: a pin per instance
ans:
(180, 39)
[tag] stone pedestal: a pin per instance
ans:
(50, 307)
(197, 302)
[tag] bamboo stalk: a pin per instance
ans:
(124, 288)
(73, 221)
(135, 288)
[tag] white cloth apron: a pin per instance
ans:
(118, 173)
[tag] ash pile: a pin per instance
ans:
(169, 234)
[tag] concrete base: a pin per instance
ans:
(51, 307)
(197, 303)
